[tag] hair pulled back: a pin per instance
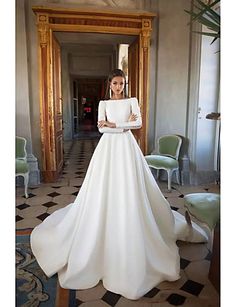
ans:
(115, 73)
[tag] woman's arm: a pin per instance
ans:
(102, 117)
(136, 124)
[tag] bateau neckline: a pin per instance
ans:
(119, 99)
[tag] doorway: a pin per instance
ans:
(51, 20)
(87, 59)
(86, 94)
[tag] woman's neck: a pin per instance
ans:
(117, 97)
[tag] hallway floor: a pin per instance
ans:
(193, 289)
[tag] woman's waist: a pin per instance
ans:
(125, 131)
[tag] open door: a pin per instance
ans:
(133, 79)
(133, 68)
(57, 103)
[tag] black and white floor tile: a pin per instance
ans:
(193, 289)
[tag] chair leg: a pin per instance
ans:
(169, 173)
(177, 176)
(26, 181)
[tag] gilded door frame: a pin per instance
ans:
(51, 19)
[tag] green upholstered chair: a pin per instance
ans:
(168, 147)
(21, 165)
(205, 207)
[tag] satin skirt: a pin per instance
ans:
(120, 228)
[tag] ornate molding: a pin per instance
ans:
(146, 33)
(43, 29)
(146, 24)
(86, 21)
(145, 40)
(103, 21)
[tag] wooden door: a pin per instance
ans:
(133, 68)
(133, 79)
(57, 104)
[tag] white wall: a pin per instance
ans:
(172, 67)
(23, 90)
(32, 47)
(90, 59)
(153, 79)
(90, 66)
(23, 125)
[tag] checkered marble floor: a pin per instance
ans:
(193, 289)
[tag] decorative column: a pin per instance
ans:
(46, 103)
(144, 62)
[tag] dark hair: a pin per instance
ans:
(115, 73)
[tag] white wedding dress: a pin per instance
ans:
(120, 228)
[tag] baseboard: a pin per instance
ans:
(204, 177)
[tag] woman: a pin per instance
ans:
(120, 229)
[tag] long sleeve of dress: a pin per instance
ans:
(137, 124)
(102, 116)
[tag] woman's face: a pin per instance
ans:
(117, 85)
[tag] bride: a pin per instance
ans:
(120, 228)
